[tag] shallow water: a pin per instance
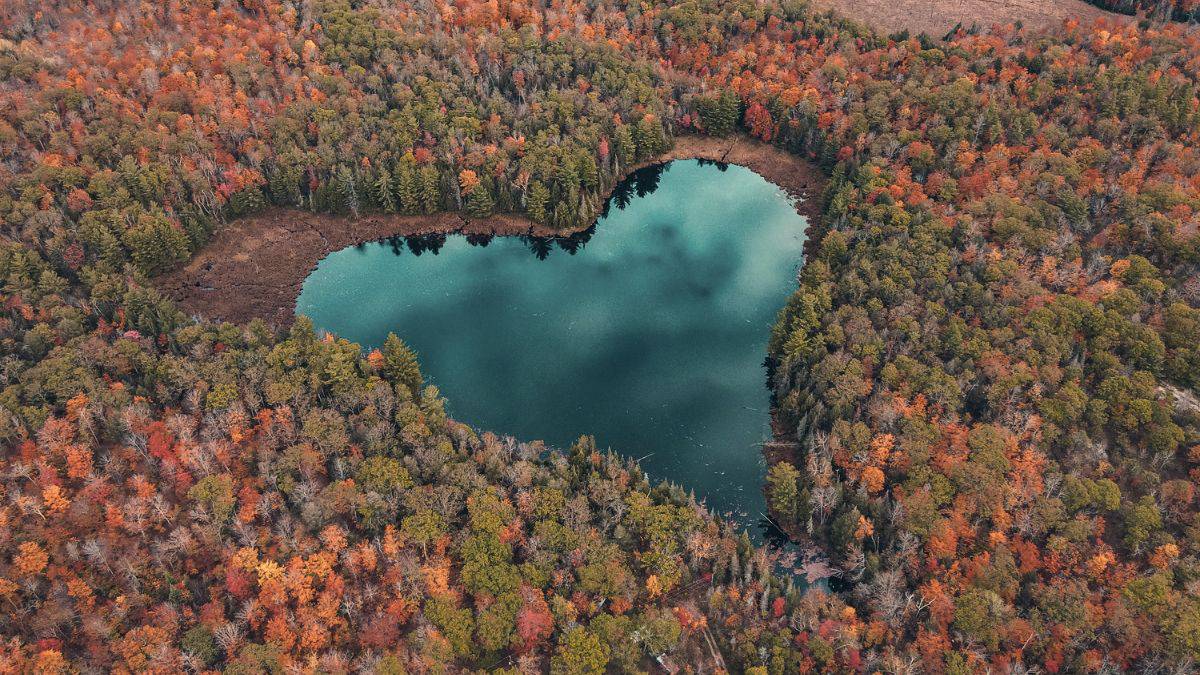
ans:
(648, 332)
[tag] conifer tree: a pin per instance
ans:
(431, 191)
(400, 364)
(479, 202)
(536, 200)
(406, 183)
(384, 192)
(347, 190)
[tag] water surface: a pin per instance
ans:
(648, 332)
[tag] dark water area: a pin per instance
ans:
(648, 331)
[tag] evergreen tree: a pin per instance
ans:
(649, 138)
(585, 168)
(479, 202)
(245, 201)
(626, 148)
(400, 364)
(347, 190)
(155, 245)
(384, 193)
(407, 185)
(536, 201)
(783, 491)
(431, 191)
(719, 114)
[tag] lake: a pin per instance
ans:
(648, 331)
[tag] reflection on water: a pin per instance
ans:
(647, 331)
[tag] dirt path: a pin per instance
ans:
(938, 17)
(254, 266)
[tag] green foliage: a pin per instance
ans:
(784, 492)
(719, 114)
(199, 642)
(384, 475)
(580, 652)
(456, 623)
(980, 615)
(216, 494)
(401, 366)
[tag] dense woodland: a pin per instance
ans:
(991, 362)
(1154, 10)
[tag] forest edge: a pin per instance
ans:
(254, 266)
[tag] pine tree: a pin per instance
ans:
(585, 167)
(284, 185)
(479, 202)
(649, 137)
(245, 201)
(400, 364)
(384, 194)
(431, 191)
(626, 148)
(719, 114)
(347, 190)
(536, 201)
(407, 188)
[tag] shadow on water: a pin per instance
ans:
(640, 183)
(479, 239)
(540, 247)
(574, 243)
(427, 242)
(645, 180)
(721, 166)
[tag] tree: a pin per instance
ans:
(407, 186)
(536, 201)
(534, 623)
(719, 114)
(580, 652)
(216, 493)
(346, 185)
(401, 366)
(783, 491)
(479, 202)
(383, 192)
(384, 475)
(430, 189)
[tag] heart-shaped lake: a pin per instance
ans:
(650, 334)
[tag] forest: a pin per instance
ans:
(990, 363)
(1154, 10)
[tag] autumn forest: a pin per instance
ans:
(986, 379)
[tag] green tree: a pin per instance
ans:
(536, 201)
(479, 202)
(430, 189)
(401, 366)
(384, 475)
(579, 652)
(980, 614)
(384, 193)
(407, 185)
(216, 493)
(424, 527)
(456, 623)
(783, 491)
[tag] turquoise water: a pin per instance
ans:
(648, 332)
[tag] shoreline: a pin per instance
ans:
(254, 266)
